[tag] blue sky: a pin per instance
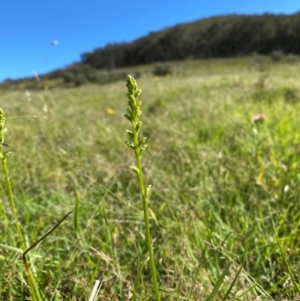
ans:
(28, 27)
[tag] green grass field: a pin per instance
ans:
(225, 189)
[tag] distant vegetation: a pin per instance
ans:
(226, 36)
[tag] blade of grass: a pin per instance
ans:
(285, 260)
(217, 286)
(232, 284)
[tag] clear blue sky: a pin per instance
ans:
(27, 27)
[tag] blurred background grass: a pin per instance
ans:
(219, 181)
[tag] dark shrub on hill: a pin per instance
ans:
(78, 74)
(277, 55)
(161, 69)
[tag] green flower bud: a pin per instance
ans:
(135, 169)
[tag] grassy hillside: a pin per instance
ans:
(225, 188)
(224, 36)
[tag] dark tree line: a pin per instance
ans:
(225, 36)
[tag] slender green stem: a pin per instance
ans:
(12, 203)
(33, 286)
(146, 218)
